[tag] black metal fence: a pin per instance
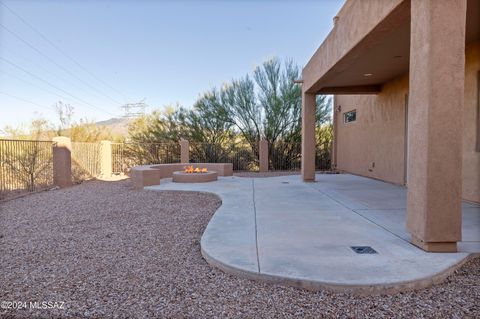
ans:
(127, 155)
(25, 166)
(28, 165)
(243, 157)
(85, 160)
(284, 156)
(323, 156)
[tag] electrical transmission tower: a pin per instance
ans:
(134, 109)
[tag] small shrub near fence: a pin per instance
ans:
(25, 166)
(127, 155)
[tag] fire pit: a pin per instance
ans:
(194, 175)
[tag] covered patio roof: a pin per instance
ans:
(368, 46)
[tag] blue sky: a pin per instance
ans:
(167, 52)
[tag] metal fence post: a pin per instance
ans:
(184, 152)
(62, 161)
(263, 156)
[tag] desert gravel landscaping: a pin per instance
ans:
(106, 250)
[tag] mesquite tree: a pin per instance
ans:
(269, 107)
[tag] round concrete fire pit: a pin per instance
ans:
(182, 177)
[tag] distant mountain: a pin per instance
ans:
(118, 126)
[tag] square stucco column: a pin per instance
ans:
(263, 156)
(62, 161)
(106, 158)
(184, 151)
(437, 72)
(309, 110)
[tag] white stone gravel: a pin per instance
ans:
(109, 251)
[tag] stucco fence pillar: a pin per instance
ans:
(62, 161)
(106, 166)
(184, 151)
(437, 75)
(309, 110)
(263, 156)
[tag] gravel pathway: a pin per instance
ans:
(106, 250)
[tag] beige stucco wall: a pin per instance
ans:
(356, 20)
(378, 135)
(471, 158)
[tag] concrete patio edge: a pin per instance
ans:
(312, 285)
(251, 217)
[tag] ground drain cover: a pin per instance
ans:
(285, 182)
(363, 250)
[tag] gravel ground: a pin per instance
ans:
(106, 250)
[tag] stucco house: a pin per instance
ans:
(405, 75)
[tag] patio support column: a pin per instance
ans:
(309, 110)
(437, 72)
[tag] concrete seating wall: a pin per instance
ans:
(147, 175)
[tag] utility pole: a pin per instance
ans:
(132, 110)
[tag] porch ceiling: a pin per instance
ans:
(381, 55)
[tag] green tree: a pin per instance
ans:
(269, 107)
(154, 138)
(160, 126)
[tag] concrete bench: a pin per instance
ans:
(147, 175)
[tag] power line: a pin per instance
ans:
(27, 101)
(62, 51)
(44, 69)
(55, 63)
(54, 86)
(33, 84)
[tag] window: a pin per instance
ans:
(350, 116)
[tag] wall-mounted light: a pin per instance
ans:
(335, 20)
(367, 74)
(339, 108)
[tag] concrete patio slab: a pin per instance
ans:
(283, 230)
